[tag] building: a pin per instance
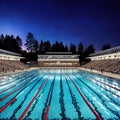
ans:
(112, 53)
(58, 59)
(7, 55)
(105, 61)
(10, 62)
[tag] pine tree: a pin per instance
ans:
(1, 41)
(66, 48)
(19, 43)
(106, 46)
(73, 48)
(41, 47)
(30, 43)
(80, 48)
(47, 46)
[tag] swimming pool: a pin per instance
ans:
(55, 94)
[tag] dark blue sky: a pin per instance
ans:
(94, 22)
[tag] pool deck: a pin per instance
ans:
(108, 74)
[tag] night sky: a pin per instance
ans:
(94, 22)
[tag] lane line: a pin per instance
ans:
(15, 84)
(46, 114)
(50, 99)
(24, 112)
(20, 81)
(94, 112)
(107, 84)
(6, 105)
(1, 99)
(13, 99)
(99, 96)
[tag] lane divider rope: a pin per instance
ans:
(94, 112)
(48, 107)
(24, 112)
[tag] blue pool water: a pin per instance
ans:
(57, 94)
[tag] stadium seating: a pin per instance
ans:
(11, 66)
(111, 65)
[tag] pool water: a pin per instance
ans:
(55, 94)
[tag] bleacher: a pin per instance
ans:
(10, 62)
(112, 66)
(105, 61)
(11, 66)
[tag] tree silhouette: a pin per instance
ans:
(55, 47)
(89, 50)
(106, 46)
(66, 48)
(41, 47)
(61, 47)
(1, 41)
(30, 43)
(80, 48)
(36, 46)
(19, 43)
(11, 43)
(73, 48)
(81, 53)
(47, 46)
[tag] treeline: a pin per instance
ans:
(32, 45)
(11, 43)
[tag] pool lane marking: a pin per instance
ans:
(15, 85)
(6, 105)
(15, 75)
(20, 81)
(25, 97)
(13, 99)
(46, 103)
(61, 100)
(11, 87)
(103, 83)
(46, 114)
(104, 103)
(7, 83)
(106, 89)
(24, 112)
(1, 99)
(74, 101)
(94, 112)
(102, 87)
(107, 84)
(17, 79)
(36, 100)
(50, 98)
